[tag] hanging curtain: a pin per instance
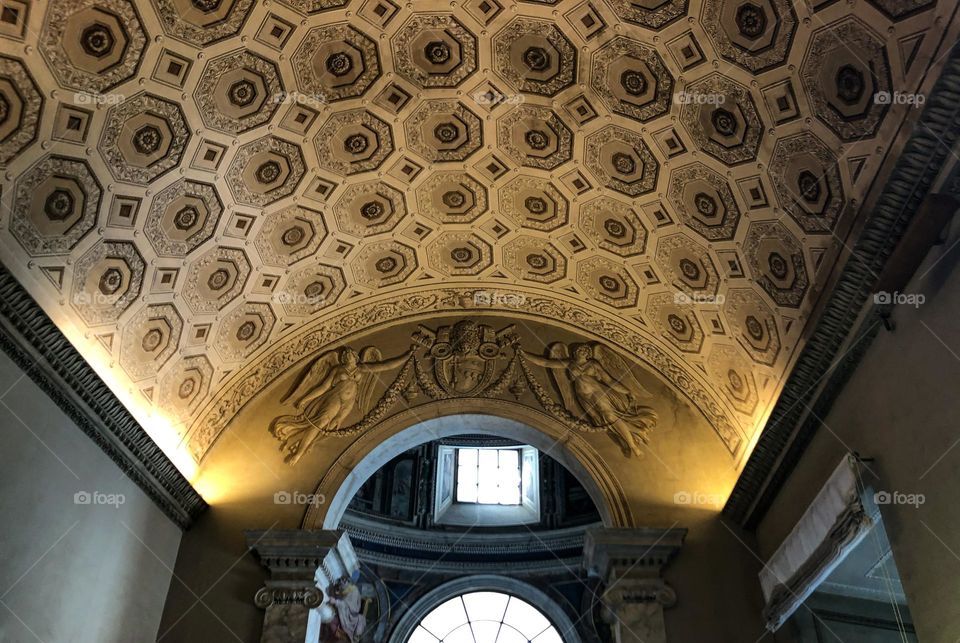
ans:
(832, 525)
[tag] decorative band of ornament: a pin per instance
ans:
(599, 393)
(789, 428)
(456, 567)
(245, 384)
(308, 596)
(38, 347)
(288, 562)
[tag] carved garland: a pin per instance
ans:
(516, 375)
(598, 389)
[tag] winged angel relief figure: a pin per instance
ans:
(326, 392)
(596, 384)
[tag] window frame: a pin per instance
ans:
(456, 475)
(506, 618)
(448, 511)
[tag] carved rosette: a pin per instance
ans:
(92, 46)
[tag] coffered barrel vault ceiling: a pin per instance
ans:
(193, 187)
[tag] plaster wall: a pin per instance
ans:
(900, 407)
(69, 571)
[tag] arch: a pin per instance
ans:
(480, 583)
(447, 418)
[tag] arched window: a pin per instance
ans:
(485, 617)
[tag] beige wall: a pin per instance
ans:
(84, 573)
(901, 408)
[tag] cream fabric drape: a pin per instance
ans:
(833, 523)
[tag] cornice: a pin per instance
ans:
(545, 551)
(790, 428)
(37, 346)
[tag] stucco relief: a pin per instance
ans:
(215, 418)
(596, 389)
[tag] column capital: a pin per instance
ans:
(629, 562)
(292, 554)
(306, 596)
(302, 564)
(610, 553)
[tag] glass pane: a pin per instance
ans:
(525, 617)
(488, 461)
(488, 491)
(420, 635)
(466, 493)
(485, 605)
(509, 477)
(462, 634)
(467, 457)
(468, 476)
(510, 635)
(445, 618)
(485, 631)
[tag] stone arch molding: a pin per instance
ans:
(454, 417)
(351, 324)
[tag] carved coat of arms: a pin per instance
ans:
(464, 355)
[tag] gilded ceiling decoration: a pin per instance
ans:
(201, 194)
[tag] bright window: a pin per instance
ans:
(485, 617)
(492, 486)
(488, 476)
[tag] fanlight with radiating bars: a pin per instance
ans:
(485, 617)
